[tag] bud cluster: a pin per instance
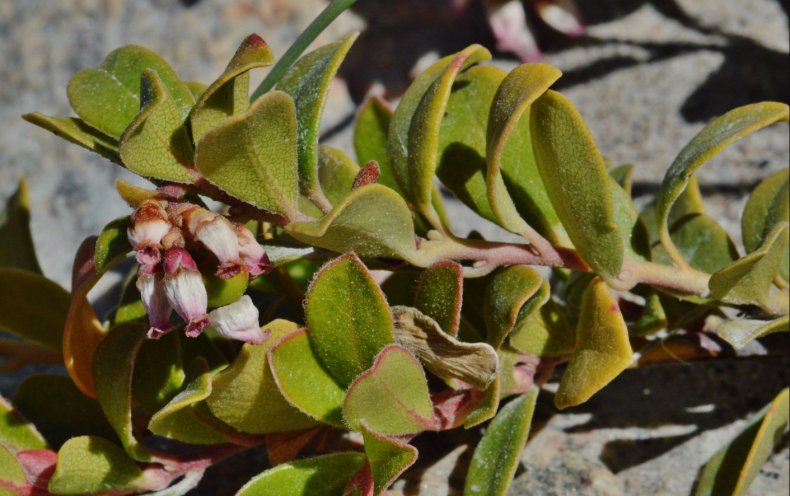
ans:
(165, 235)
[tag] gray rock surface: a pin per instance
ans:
(646, 78)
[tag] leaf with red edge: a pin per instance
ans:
(439, 294)
(388, 457)
(392, 396)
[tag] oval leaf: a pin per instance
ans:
(508, 294)
(336, 173)
(326, 475)
(348, 318)
(602, 348)
(388, 457)
(33, 307)
(370, 139)
(76, 131)
(439, 294)
(252, 156)
(742, 332)
(702, 242)
(709, 142)
(112, 246)
(577, 182)
(495, 459)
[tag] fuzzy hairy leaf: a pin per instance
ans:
(741, 332)
(509, 297)
(702, 242)
(370, 139)
(252, 155)
(229, 94)
(76, 131)
(303, 381)
(245, 395)
(33, 307)
(336, 173)
(602, 348)
(158, 372)
(495, 458)
(735, 466)
(112, 246)
(17, 248)
(576, 180)
(392, 396)
(16, 431)
(156, 143)
(545, 332)
(348, 317)
(709, 142)
(388, 457)
(108, 97)
(351, 226)
(767, 205)
(439, 294)
(10, 471)
(307, 81)
(326, 475)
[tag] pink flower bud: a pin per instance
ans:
(252, 254)
(153, 296)
(149, 224)
(184, 290)
(238, 321)
(217, 234)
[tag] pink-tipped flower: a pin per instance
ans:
(184, 289)
(252, 254)
(217, 234)
(508, 21)
(152, 293)
(238, 321)
(149, 224)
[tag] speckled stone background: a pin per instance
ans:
(646, 77)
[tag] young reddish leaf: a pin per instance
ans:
(229, 94)
(602, 347)
(388, 457)
(708, 143)
(733, 468)
(90, 464)
(112, 246)
(252, 155)
(351, 227)
(392, 396)
(442, 354)
(303, 381)
(245, 395)
(76, 131)
(156, 144)
(108, 97)
(576, 180)
(511, 161)
(439, 294)
(740, 332)
(16, 431)
(283, 447)
(33, 307)
(368, 174)
(495, 459)
(511, 294)
(17, 248)
(326, 475)
(348, 318)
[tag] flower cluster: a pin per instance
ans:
(165, 235)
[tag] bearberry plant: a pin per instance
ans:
(323, 307)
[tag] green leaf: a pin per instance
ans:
(406, 162)
(40, 395)
(108, 98)
(510, 292)
(514, 158)
(10, 471)
(388, 457)
(370, 139)
(16, 431)
(546, 332)
(351, 226)
(307, 81)
(196, 88)
(112, 245)
(602, 348)
(113, 369)
(303, 381)
(495, 458)
(229, 94)
(336, 173)
(439, 294)
(245, 395)
(186, 417)
(653, 317)
(33, 307)
(749, 280)
(740, 332)
(733, 468)
(767, 206)
(462, 137)
(17, 248)
(90, 464)
(156, 144)
(76, 131)
(487, 406)
(442, 354)
(577, 182)
(702, 242)
(158, 372)
(709, 142)
(623, 176)
(252, 155)
(348, 318)
(391, 397)
(636, 239)
(325, 475)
